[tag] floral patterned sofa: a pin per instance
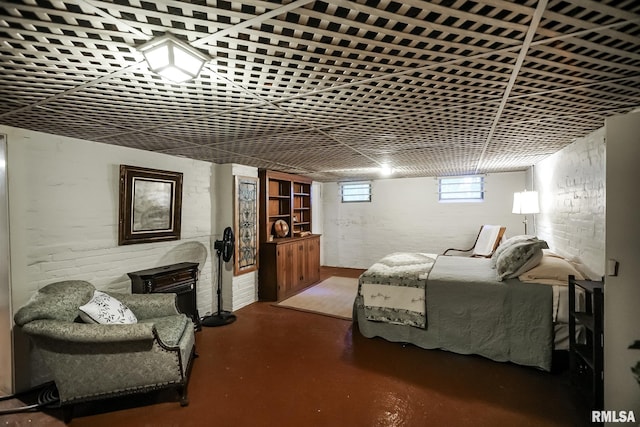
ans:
(91, 361)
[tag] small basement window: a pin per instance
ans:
(355, 192)
(461, 189)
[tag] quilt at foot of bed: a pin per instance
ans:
(394, 288)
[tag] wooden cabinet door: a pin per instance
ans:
(288, 267)
(299, 264)
(285, 269)
(313, 260)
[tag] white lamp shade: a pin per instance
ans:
(526, 202)
(173, 59)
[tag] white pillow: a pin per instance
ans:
(549, 252)
(551, 271)
(105, 309)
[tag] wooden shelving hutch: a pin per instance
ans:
(291, 263)
(586, 359)
(301, 217)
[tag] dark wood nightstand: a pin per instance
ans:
(586, 359)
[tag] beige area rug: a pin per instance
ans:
(331, 297)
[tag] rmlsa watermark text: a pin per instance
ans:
(613, 417)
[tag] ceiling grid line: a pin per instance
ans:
(310, 126)
(533, 27)
(92, 5)
(249, 22)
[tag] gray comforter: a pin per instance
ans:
(470, 312)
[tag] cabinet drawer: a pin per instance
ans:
(169, 282)
(178, 287)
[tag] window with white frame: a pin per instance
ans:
(355, 192)
(461, 188)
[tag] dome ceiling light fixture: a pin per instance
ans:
(386, 170)
(173, 59)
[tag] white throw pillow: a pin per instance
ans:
(105, 309)
(552, 270)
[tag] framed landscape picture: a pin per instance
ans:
(150, 205)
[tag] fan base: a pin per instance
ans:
(219, 319)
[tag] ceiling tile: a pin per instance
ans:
(328, 89)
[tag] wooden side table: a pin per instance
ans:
(180, 278)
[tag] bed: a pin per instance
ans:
(468, 305)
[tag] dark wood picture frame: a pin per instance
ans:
(150, 205)
(245, 209)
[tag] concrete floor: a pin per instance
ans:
(281, 367)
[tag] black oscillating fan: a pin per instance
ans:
(224, 248)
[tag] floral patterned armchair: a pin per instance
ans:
(94, 361)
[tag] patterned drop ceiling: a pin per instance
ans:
(332, 90)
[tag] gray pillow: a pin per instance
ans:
(519, 258)
(512, 241)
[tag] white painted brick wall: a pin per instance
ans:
(237, 291)
(245, 289)
(63, 196)
(405, 215)
(571, 185)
